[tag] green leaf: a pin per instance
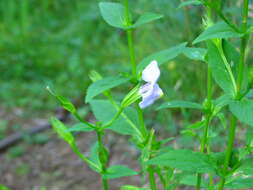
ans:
(185, 160)
(180, 104)
(240, 183)
(191, 180)
(2, 187)
(102, 85)
(190, 2)
(113, 14)
(104, 112)
(246, 167)
(233, 58)
(118, 171)
(62, 131)
(146, 18)
(80, 127)
(220, 73)
(94, 155)
(162, 56)
(196, 125)
(195, 53)
(218, 30)
(243, 110)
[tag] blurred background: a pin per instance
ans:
(57, 43)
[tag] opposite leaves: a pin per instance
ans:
(113, 14)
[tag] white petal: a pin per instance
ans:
(151, 73)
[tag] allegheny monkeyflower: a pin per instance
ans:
(151, 90)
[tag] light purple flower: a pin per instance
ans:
(151, 90)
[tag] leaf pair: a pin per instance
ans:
(114, 15)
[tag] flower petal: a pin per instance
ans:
(148, 97)
(151, 73)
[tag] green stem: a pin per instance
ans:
(105, 183)
(102, 157)
(203, 148)
(131, 51)
(116, 116)
(141, 119)
(83, 121)
(232, 129)
(152, 178)
(209, 104)
(130, 39)
(134, 127)
(244, 40)
(85, 159)
(231, 139)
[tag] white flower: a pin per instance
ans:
(151, 90)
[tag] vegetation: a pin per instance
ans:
(106, 51)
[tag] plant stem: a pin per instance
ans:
(102, 157)
(141, 119)
(209, 104)
(231, 138)
(105, 184)
(203, 147)
(232, 129)
(244, 40)
(152, 178)
(130, 40)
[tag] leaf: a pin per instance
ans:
(195, 53)
(104, 112)
(113, 14)
(2, 187)
(185, 160)
(218, 30)
(233, 58)
(246, 167)
(221, 102)
(146, 18)
(180, 104)
(191, 180)
(94, 155)
(240, 183)
(62, 131)
(118, 171)
(220, 73)
(190, 2)
(102, 85)
(243, 110)
(196, 125)
(80, 127)
(162, 56)
(250, 94)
